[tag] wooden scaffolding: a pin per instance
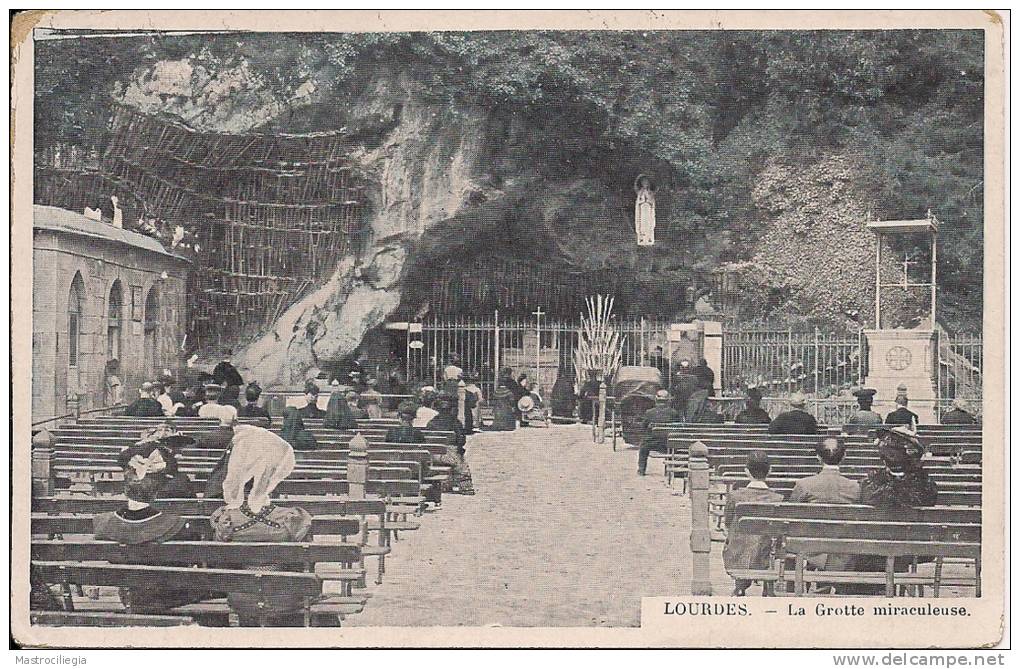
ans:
(272, 214)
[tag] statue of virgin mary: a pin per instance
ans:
(644, 211)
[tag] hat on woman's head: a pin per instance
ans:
(259, 456)
(899, 445)
(798, 400)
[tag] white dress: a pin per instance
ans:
(644, 217)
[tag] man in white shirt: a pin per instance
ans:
(212, 407)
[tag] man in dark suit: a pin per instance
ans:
(146, 405)
(659, 414)
(796, 420)
(748, 551)
(225, 374)
(902, 415)
(252, 409)
(828, 487)
(753, 414)
(684, 385)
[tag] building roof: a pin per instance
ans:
(63, 220)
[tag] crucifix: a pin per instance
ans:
(538, 341)
(906, 265)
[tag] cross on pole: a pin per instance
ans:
(538, 341)
(906, 263)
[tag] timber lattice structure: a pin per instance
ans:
(271, 215)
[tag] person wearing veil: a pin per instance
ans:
(504, 409)
(563, 398)
(261, 460)
(338, 413)
(295, 433)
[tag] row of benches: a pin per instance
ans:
(332, 576)
(948, 534)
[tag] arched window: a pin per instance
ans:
(152, 361)
(115, 321)
(75, 311)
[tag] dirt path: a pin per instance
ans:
(561, 533)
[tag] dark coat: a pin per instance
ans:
(958, 417)
(504, 410)
(144, 407)
(448, 423)
(902, 416)
(311, 410)
(404, 434)
(174, 484)
(753, 416)
(253, 410)
(589, 392)
(883, 490)
(660, 414)
(563, 398)
(144, 526)
(225, 374)
(684, 385)
(794, 421)
(705, 376)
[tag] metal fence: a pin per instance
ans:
(823, 365)
(785, 361)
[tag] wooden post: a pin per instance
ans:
(600, 431)
(43, 484)
(701, 538)
(461, 397)
(357, 467)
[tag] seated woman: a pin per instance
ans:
(352, 404)
(405, 433)
(137, 522)
(260, 459)
(157, 446)
(445, 420)
(295, 433)
(338, 413)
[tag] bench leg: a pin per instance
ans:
(890, 576)
(798, 575)
(938, 577)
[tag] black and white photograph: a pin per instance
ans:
(553, 329)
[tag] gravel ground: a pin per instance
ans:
(561, 532)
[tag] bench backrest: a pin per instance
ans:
(196, 552)
(50, 524)
(263, 583)
(316, 506)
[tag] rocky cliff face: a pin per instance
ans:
(446, 181)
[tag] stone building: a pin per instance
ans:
(100, 292)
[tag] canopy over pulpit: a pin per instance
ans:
(904, 353)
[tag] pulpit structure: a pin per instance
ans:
(905, 355)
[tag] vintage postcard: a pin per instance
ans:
(508, 329)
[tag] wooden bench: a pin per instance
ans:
(263, 584)
(801, 530)
(105, 619)
(373, 516)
